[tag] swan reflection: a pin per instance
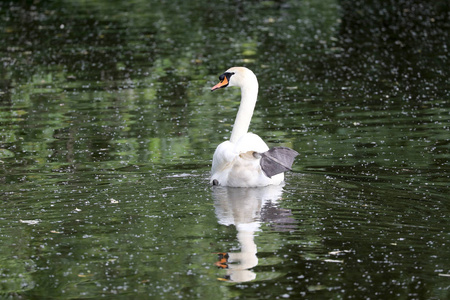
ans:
(245, 208)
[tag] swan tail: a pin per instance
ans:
(277, 160)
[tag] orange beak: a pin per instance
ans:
(223, 260)
(221, 84)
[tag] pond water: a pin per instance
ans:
(108, 126)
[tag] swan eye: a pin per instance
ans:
(224, 81)
(226, 75)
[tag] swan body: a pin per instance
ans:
(235, 165)
(245, 160)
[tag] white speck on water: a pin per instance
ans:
(30, 222)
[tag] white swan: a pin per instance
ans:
(245, 160)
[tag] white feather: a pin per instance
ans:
(233, 162)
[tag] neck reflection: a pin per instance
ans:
(242, 208)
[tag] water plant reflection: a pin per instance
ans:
(246, 209)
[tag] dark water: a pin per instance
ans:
(107, 129)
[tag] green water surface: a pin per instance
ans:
(108, 126)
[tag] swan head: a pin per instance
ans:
(236, 76)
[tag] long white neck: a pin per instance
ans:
(249, 94)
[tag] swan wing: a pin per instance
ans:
(227, 152)
(251, 142)
(277, 160)
(223, 157)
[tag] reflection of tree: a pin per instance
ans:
(73, 40)
(398, 45)
(91, 84)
